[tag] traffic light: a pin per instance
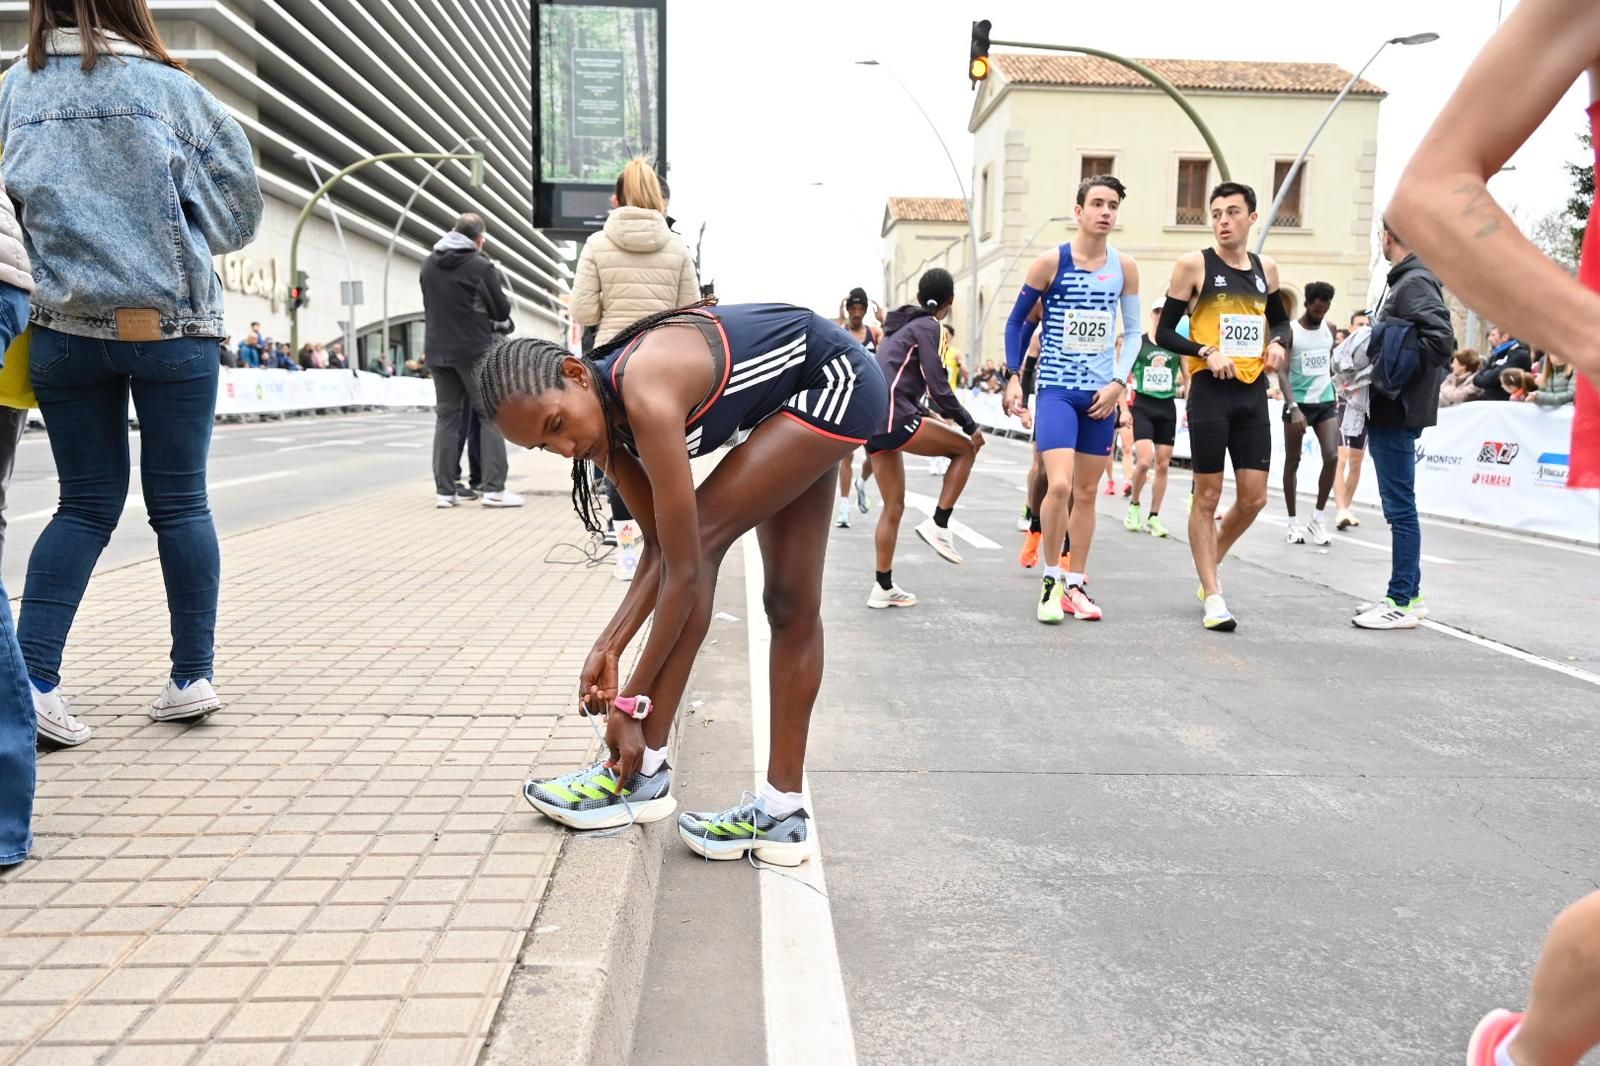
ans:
(299, 294)
(978, 67)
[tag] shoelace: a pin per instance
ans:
(622, 792)
(750, 856)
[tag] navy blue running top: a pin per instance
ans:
(766, 359)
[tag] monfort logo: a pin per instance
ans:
(1552, 468)
(1498, 452)
(1437, 460)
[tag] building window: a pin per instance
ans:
(1290, 215)
(983, 204)
(1096, 165)
(1193, 174)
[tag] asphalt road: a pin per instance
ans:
(1136, 841)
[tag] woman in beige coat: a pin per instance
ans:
(635, 266)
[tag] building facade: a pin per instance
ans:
(321, 84)
(1043, 123)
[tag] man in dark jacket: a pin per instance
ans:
(464, 305)
(1505, 352)
(1394, 425)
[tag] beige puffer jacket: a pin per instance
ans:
(14, 266)
(633, 267)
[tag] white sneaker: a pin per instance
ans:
(1346, 520)
(441, 502)
(1295, 534)
(1218, 617)
(890, 597)
(194, 701)
(503, 498)
(1386, 614)
(1319, 533)
(841, 517)
(940, 540)
(54, 714)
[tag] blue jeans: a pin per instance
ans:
(83, 385)
(1394, 455)
(17, 728)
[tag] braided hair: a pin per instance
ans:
(531, 367)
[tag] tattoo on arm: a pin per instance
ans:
(1480, 207)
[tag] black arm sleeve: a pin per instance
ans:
(1279, 326)
(1030, 375)
(1167, 335)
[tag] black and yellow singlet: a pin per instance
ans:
(1230, 315)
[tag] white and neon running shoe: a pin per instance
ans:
(1386, 614)
(863, 502)
(1218, 618)
(940, 540)
(732, 833)
(1157, 527)
(895, 596)
(1082, 607)
(1051, 609)
(1133, 521)
(590, 798)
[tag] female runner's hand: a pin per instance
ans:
(597, 685)
(625, 738)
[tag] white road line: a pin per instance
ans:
(926, 504)
(136, 502)
(273, 440)
(1515, 653)
(405, 444)
(807, 1015)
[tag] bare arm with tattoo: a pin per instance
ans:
(1443, 209)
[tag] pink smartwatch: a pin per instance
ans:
(635, 707)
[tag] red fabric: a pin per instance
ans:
(1584, 472)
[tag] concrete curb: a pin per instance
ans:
(574, 993)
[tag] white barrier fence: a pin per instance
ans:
(1495, 464)
(249, 391)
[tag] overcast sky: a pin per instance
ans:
(786, 150)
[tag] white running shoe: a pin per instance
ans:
(53, 712)
(889, 597)
(442, 502)
(1346, 520)
(863, 501)
(503, 498)
(1386, 614)
(1218, 617)
(1318, 533)
(940, 540)
(1295, 534)
(194, 701)
(841, 517)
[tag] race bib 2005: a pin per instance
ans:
(1314, 361)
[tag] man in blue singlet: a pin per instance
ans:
(1083, 362)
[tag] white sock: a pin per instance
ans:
(654, 759)
(1055, 572)
(1320, 517)
(777, 804)
(1074, 578)
(1502, 1054)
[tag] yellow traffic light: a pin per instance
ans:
(979, 69)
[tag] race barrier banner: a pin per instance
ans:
(250, 391)
(1493, 464)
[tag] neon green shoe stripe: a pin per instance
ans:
(607, 783)
(589, 791)
(561, 792)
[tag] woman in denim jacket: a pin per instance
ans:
(128, 177)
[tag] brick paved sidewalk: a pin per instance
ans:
(339, 867)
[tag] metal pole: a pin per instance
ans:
(394, 236)
(349, 267)
(305, 213)
(972, 214)
(1288, 182)
(1149, 75)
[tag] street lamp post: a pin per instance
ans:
(972, 214)
(1294, 171)
(475, 158)
(394, 236)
